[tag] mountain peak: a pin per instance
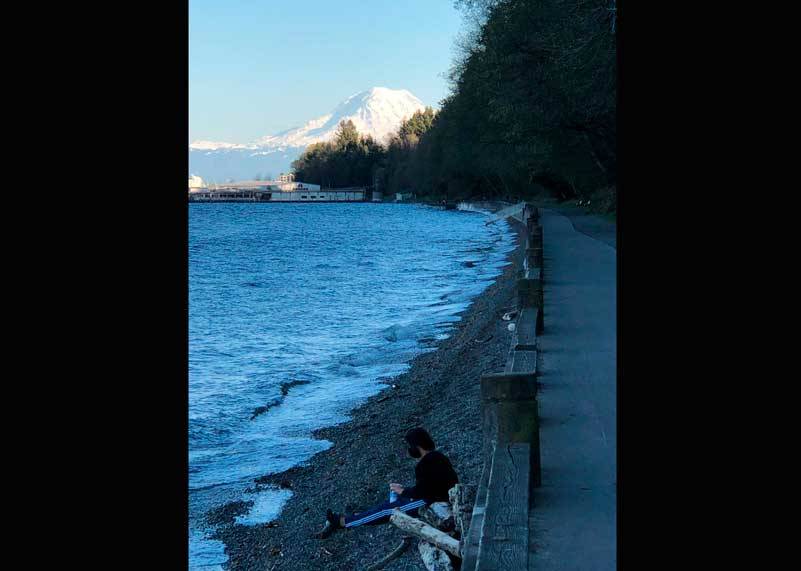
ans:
(377, 112)
(387, 92)
(380, 92)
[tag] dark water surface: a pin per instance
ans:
(297, 312)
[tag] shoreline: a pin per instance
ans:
(440, 391)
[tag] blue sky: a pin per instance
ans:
(257, 67)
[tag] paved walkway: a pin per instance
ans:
(598, 227)
(573, 518)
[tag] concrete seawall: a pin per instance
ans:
(498, 537)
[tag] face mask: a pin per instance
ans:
(414, 452)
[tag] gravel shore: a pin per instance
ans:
(440, 392)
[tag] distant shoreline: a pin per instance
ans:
(450, 205)
(250, 201)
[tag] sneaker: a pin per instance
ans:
(331, 525)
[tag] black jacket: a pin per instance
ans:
(434, 476)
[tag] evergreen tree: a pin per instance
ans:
(346, 134)
(349, 160)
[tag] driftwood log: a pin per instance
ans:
(439, 515)
(462, 497)
(433, 558)
(394, 554)
(437, 525)
(420, 529)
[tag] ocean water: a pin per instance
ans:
(300, 312)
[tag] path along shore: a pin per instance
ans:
(572, 524)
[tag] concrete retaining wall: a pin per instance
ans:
(498, 534)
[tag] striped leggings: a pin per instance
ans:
(380, 514)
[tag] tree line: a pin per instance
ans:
(349, 160)
(531, 110)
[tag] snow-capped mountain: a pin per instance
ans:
(377, 112)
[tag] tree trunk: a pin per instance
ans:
(594, 155)
(492, 186)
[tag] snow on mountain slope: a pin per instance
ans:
(214, 145)
(377, 112)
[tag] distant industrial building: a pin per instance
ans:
(274, 191)
(196, 182)
(295, 186)
(331, 195)
(263, 185)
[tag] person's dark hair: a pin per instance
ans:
(419, 437)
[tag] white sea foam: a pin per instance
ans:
(267, 504)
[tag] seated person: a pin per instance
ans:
(434, 476)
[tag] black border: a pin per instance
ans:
(121, 354)
(119, 360)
